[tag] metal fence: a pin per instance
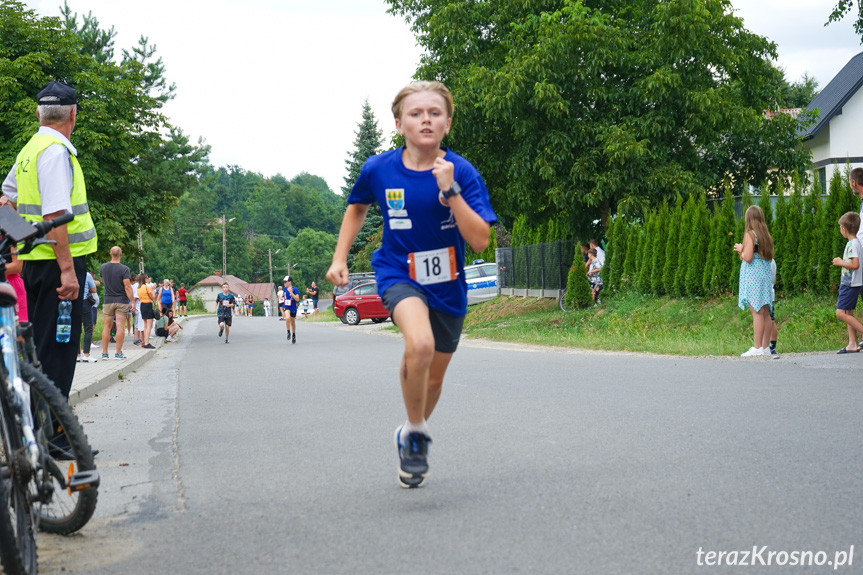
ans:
(538, 270)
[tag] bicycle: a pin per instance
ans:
(38, 430)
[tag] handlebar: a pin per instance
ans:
(46, 226)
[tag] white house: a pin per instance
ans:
(836, 138)
(208, 288)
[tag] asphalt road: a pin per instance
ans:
(265, 457)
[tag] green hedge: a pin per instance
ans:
(686, 250)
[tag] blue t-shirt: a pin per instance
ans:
(290, 303)
(417, 220)
(89, 284)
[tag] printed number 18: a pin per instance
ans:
(435, 266)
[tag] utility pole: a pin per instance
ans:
(224, 247)
(140, 251)
(270, 253)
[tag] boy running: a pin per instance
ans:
(292, 296)
(435, 201)
(225, 304)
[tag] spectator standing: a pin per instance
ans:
(851, 280)
(137, 323)
(855, 180)
(594, 275)
(147, 296)
(600, 253)
(181, 299)
(118, 300)
(266, 307)
(282, 305)
(756, 286)
(166, 295)
(88, 296)
(314, 291)
(46, 182)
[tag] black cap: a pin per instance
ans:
(57, 94)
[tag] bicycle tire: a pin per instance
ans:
(67, 512)
(561, 302)
(17, 511)
(10, 559)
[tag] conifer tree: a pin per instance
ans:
(633, 238)
(615, 255)
(657, 253)
(710, 251)
(645, 251)
(367, 143)
(686, 231)
(578, 293)
(725, 265)
(766, 205)
(792, 228)
(780, 235)
(697, 251)
(672, 245)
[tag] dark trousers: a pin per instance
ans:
(87, 316)
(41, 279)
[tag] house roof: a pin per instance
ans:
(836, 94)
(238, 286)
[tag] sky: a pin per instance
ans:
(277, 86)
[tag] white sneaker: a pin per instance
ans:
(88, 359)
(753, 351)
(766, 351)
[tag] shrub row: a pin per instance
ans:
(686, 249)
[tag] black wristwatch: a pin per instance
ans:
(454, 190)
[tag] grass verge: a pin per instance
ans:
(657, 325)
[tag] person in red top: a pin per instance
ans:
(181, 300)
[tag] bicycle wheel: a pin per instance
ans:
(10, 559)
(69, 509)
(17, 519)
(562, 302)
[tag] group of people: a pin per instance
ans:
(594, 261)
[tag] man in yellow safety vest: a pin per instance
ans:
(46, 182)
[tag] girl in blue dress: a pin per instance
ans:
(432, 201)
(756, 279)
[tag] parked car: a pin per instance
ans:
(353, 281)
(359, 303)
(481, 281)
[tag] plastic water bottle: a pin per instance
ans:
(64, 322)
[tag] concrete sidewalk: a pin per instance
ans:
(91, 378)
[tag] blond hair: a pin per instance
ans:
(423, 86)
(754, 221)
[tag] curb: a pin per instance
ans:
(91, 388)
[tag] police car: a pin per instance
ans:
(481, 281)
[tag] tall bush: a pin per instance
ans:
(577, 287)
(657, 254)
(672, 245)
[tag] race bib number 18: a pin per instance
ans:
(433, 266)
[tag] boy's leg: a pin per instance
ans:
(412, 317)
(437, 370)
(854, 325)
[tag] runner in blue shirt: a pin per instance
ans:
(292, 296)
(432, 201)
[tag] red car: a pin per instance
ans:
(362, 302)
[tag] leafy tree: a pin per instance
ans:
(312, 251)
(563, 104)
(842, 8)
(122, 138)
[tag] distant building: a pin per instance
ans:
(835, 139)
(208, 288)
